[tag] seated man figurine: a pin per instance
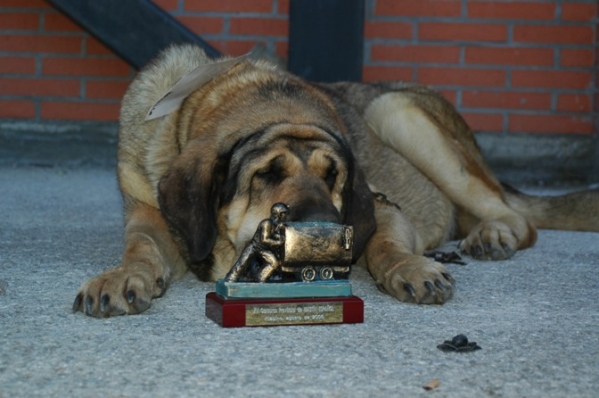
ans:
(264, 246)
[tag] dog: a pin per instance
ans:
(394, 160)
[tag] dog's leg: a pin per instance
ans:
(394, 258)
(438, 146)
(150, 259)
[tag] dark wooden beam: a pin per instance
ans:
(326, 39)
(136, 30)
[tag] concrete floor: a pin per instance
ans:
(535, 316)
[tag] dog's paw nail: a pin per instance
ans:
(431, 289)
(440, 285)
(130, 296)
(478, 251)
(89, 305)
(160, 282)
(447, 277)
(381, 287)
(410, 289)
(487, 247)
(77, 302)
(104, 302)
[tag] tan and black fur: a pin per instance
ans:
(196, 183)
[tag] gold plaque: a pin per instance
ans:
(293, 313)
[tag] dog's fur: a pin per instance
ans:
(196, 183)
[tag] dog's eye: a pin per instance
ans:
(331, 176)
(271, 175)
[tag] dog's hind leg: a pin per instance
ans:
(426, 130)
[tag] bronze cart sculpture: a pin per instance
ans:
(305, 251)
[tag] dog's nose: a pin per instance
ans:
(314, 212)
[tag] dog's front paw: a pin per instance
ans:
(418, 279)
(490, 240)
(119, 291)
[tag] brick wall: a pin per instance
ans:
(509, 66)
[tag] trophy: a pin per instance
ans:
(291, 273)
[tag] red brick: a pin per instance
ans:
(506, 100)
(551, 79)
(203, 25)
(19, 21)
(553, 34)
(233, 47)
(558, 124)
(59, 110)
(462, 77)
(40, 44)
(450, 95)
(219, 45)
(54, 21)
(415, 8)
(387, 73)
(574, 103)
(240, 47)
(509, 56)
(95, 47)
(576, 58)
(511, 10)
(24, 4)
(230, 6)
(259, 26)
(484, 122)
(168, 5)
(411, 53)
(282, 49)
(462, 31)
(17, 65)
(17, 109)
(105, 89)
(85, 67)
(283, 7)
(388, 30)
(576, 11)
(37, 86)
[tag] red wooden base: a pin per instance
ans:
(280, 311)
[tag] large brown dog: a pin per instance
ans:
(197, 182)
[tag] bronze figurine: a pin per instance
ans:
(305, 251)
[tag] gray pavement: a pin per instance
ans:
(536, 317)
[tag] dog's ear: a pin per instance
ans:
(188, 197)
(358, 209)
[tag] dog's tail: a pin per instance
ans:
(578, 211)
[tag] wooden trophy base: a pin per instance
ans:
(238, 312)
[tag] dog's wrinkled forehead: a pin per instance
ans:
(290, 136)
(299, 132)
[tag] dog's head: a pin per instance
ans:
(221, 185)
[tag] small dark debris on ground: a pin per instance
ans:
(459, 343)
